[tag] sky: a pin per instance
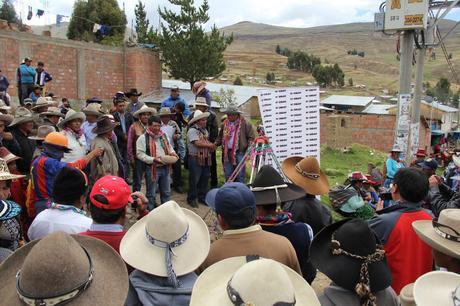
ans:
(289, 13)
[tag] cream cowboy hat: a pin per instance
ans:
(235, 281)
(442, 233)
(145, 245)
(200, 101)
(456, 160)
(93, 109)
(42, 132)
(306, 173)
(52, 111)
(7, 155)
(7, 119)
(169, 159)
(41, 102)
(144, 109)
(62, 268)
(165, 111)
(198, 115)
(439, 288)
(71, 115)
(22, 115)
(198, 87)
(3, 106)
(5, 174)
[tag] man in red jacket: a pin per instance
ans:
(109, 199)
(408, 256)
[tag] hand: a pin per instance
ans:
(7, 136)
(142, 203)
(434, 181)
(97, 152)
(379, 205)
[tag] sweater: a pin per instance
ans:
(171, 103)
(27, 74)
(111, 238)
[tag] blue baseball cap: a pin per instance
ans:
(429, 164)
(231, 199)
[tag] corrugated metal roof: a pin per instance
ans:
(348, 100)
(378, 109)
(441, 107)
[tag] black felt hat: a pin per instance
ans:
(354, 237)
(268, 183)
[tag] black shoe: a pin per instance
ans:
(193, 203)
(179, 189)
(202, 202)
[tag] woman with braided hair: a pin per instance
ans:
(350, 254)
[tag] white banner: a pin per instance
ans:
(403, 124)
(291, 120)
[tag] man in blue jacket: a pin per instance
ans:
(175, 98)
(26, 78)
(42, 76)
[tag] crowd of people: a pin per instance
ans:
(70, 179)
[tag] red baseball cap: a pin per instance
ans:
(114, 189)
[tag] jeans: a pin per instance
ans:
(198, 179)
(214, 180)
(142, 169)
(177, 174)
(181, 148)
(26, 89)
(229, 167)
(164, 183)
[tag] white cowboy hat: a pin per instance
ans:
(5, 174)
(442, 232)
(144, 109)
(7, 119)
(93, 109)
(198, 115)
(145, 245)
(165, 111)
(235, 281)
(52, 111)
(439, 288)
(42, 102)
(3, 106)
(169, 159)
(406, 296)
(456, 160)
(71, 115)
(21, 115)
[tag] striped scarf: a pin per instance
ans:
(76, 134)
(203, 156)
(231, 130)
(152, 145)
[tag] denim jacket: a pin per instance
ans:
(146, 289)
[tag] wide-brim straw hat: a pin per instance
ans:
(109, 285)
(165, 111)
(198, 87)
(432, 232)
(6, 118)
(5, 174)
(396, 149)
(306, 173)
(437, 288)
(104, 125)
(93, 109)
(198, 115)
(141, 254)
(144, 109)
(211, 286)
(169, 159)
(269, 187)
(42, 102)
(71, 115)
(22, 115)
(52, 111)
(200, 101)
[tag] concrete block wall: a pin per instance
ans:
(81, 70)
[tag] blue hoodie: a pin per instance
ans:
(170, 103)
(27, 74)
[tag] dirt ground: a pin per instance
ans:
(208, 216)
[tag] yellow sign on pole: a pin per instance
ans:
(406, 14)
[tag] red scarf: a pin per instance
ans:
(231, 130)
(76, 134)
(153, 148)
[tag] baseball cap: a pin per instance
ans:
(429, 164)
(114, 189)
(231, 199)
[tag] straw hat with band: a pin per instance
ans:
(9, 210)
(93, 109)
(200, 101)
(269, 187)
(5, 174)
(62, 268)
(231, 109)
(7, 119)
(143, 110)
(104, 125)
(305, 172)
(165, 111)
(198, 87)
(443, 233)
(7, 155)
(41, 102)
(350, 254)
(42, 132)
(251, 280)
(197, 116)
(22, 115)
(52, 111)
(71, 115)
(155, 247)
(437, 288)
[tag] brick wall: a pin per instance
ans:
(81, 70)
(375, 131)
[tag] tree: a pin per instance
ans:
(143, 30)
(225, 97)
(103, 12)
(442, 89)
(188, 52)
(8, 13)
(278, 49)
(350, 82)
(270, 77)
(238, 81)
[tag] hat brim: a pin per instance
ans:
(110, 278)
(35, 138)
(17, 121)
(12, 211)
(267, 197)
(11, 158)
(91, 113)
(37, 106)
(211, 198)
(6, 176)
(211, 286)
(310, 186)
(8, 119)
(131, 94)
(344, 270)
(424, 229)
(435, 288)
(105, 129)
(197, 118)
(78, 115)
(200, 104)
(51, 114)
(149, 110)
(140, 254)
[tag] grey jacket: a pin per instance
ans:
(337, 296)
(443, 197)
(146, 290)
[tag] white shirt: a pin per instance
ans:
(169, 131)
(78, 147)
(141, 152)
(54, 220)
(88, 131)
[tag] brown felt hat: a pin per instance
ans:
(104, 125)
(55, 267)
(305, 172)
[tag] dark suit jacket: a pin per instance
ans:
(122, 137)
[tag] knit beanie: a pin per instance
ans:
(69, 185)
